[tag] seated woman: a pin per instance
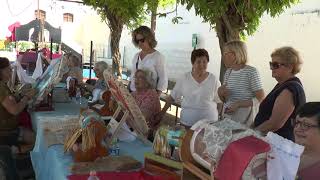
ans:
(98, 69)
(74, 75)
(307, 133)
(147, 98)
(198, 90)
(10, 108)
(74, 65)
(99, 87)
(282, 103)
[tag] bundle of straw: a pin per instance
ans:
(88, 134)
(88, 138)
(71, 138)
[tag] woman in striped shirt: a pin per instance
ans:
(242, 87)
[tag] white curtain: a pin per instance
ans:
(22, 74)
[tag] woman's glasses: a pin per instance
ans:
(139, 40)
(303, 125)
(275, 65)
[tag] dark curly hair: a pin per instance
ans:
(4, 63)
(309, 110)
(198, 53)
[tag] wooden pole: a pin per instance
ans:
(51, 48)
(38, 10)
(91, 59)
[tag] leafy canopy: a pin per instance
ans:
(249, 11)
(131, 12)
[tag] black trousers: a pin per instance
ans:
(9, 137)
(7, 164)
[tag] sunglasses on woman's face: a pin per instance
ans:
(275, 65)
(140, 40)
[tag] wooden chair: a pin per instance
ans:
(163, 96)
(158, 165)
(191, 169)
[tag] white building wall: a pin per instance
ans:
(175, 42)
(86, 27)
(289, 29)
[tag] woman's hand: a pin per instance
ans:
(30, 93)
(223, 92)
(159, 116)
(232, 108)
(86, 86)
(159, 92)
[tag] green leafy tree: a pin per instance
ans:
(117, 13)
(233, 19)
(153, 6)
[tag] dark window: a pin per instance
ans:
(67, 17)
(42, 15)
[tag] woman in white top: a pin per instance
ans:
(148, 58)
(198, 90)
(242, 87)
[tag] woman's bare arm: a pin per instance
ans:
(282, 109)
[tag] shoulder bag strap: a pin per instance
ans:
(137, 63)
(225, 82)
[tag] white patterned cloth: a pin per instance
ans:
(218, 135)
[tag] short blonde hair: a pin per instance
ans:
(101, 65)
(147, 33)
(289, 55)
(148, 78)
(239, 48)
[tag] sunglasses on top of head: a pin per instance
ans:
(139, 40)
(276, 65)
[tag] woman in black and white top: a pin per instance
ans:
(242, 87)
(148, 58)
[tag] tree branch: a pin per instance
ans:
(228, 25)
(166, 13)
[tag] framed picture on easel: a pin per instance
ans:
(45, 83)
(128, 110)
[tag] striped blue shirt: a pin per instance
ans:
(242, 84)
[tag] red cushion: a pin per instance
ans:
(135, 175)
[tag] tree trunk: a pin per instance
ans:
(115, 24)
(153, 20)
(154, 10)
(115, 51)
(227, 29)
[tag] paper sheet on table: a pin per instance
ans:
(283, 159)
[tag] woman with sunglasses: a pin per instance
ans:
(148, 58)
(287, 96)
(307, 134)
(242, 88)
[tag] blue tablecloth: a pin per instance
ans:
(51, 163)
